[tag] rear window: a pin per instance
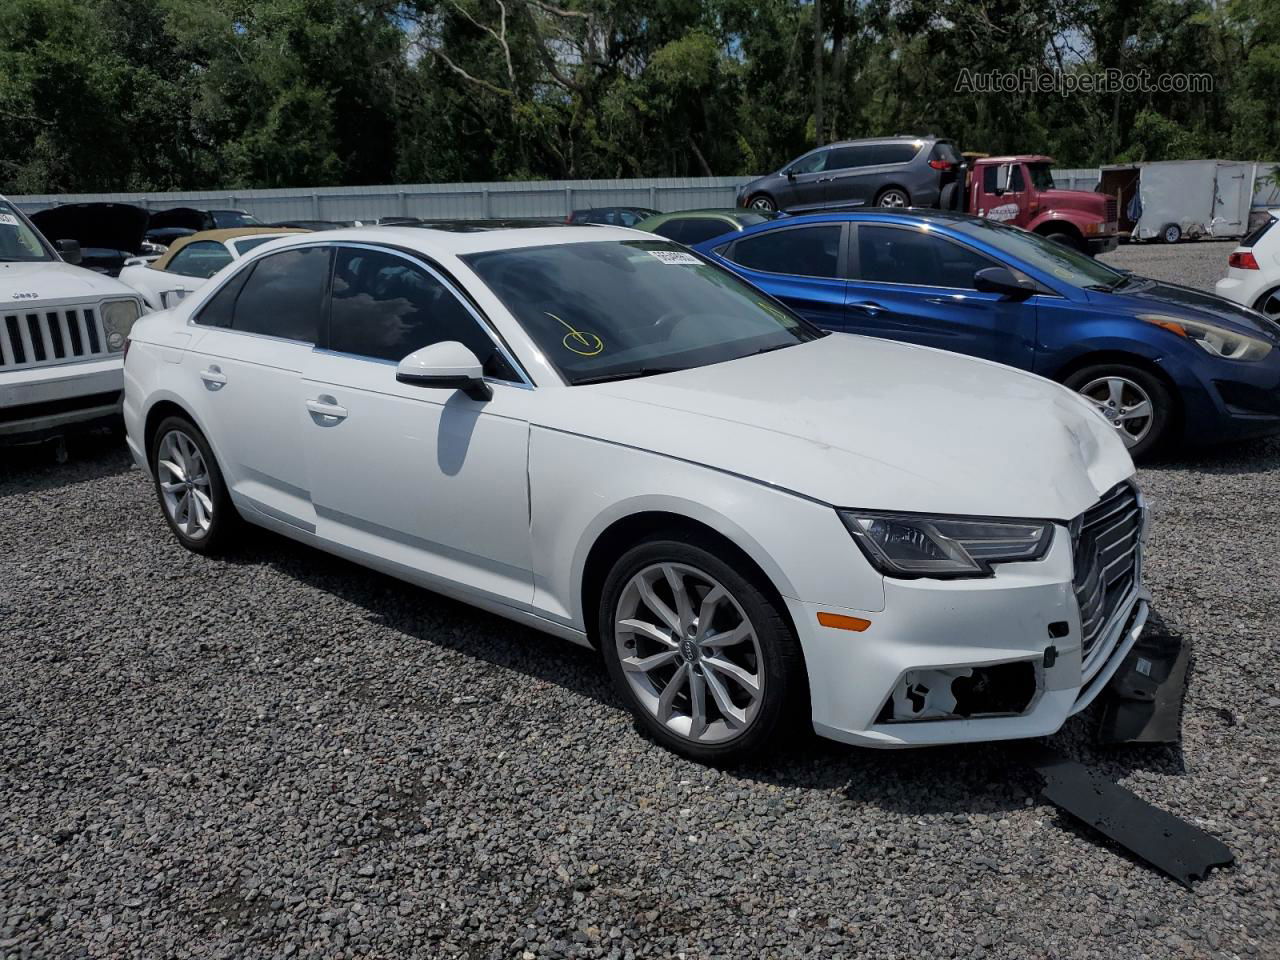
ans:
(945, 150)
(1258, 234)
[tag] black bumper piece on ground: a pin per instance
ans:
(1168, 843)
(1143, 701)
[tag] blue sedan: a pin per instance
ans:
(1160, 361)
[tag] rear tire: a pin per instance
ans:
(1170, 233)
(696, 696)
(193, 496)
(894, 198)
(1119, 390)
(1269, 304)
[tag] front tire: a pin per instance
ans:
(1136, 403)
(762, 202)
(1170, 233)
(193, 496)
(699, 650)
(1067, 239)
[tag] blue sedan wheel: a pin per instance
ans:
(1133, 401)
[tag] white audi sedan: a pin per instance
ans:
(594, 432)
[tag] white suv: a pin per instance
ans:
(62, 334)
(1253, 270)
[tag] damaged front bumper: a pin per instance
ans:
(968, 660)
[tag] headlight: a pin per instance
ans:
(913, 545)
(118, 317)
(1216, 340)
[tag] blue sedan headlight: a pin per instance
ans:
(1213, 339)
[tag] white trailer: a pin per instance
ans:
(1172, 200)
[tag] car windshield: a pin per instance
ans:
(1041, 176)
(1054, 258)
(18, 241)
(618, 309)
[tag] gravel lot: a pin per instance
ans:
(283, 755)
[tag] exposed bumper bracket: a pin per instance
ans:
(1143, 701)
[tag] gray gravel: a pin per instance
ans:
(284, 755)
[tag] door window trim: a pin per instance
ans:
(842, 251)
(855, 276)
(441, 275)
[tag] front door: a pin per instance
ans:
(1009, 207)
(807, 182)
(251, 342)
(907, 284)
(428, 480)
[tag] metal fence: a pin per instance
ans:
(470, 201)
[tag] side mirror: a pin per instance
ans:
(69, 250)
(1002, 281)
(790, 174)
(445, 366)
(1002, 178)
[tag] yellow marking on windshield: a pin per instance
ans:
(576, 341)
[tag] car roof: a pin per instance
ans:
(709, 213)
(446, 243)
(1019, 158)
(218, 236)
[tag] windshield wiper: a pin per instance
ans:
(627, 375)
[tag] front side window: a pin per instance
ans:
(385, 307)
(202, 259)
(18, 241)
(910, 256)
(1016, 183)
(283, 296)
(612, 310)
(814, 163)
(802, 251)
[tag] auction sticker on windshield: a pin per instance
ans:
(675, 257)
(8, 219)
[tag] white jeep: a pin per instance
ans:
(62, 335)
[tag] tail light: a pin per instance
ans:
(1243, 260)
(940, 164)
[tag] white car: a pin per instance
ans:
(62, 335)
(190, 261)
(1253, 270)
(599, 434)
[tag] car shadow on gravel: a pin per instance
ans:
(1245, 456)
(95, 455)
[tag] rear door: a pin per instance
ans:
(245, 365)
(871, 168)
(906, 283)
(801, 266)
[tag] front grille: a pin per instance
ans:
(1111, 209)
(1105, 544)
(37, 337)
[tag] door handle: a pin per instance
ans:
(213, 376)
(959, 300)
(327, 407)
(869, 307)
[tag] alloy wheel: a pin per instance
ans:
(184, 484)
(1125, 404)
(762, 203)
(689, 653)
(1270, 305)
(893, 198)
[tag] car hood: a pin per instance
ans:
(1083, 200)
(112, 226)
(54, 280)
(862, 422)
(1176, 300)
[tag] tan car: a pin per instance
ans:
(192, 260)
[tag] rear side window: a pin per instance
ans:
(845, 158)
(695, 231)
(803, 251)
(1259, 233)
(385, 308)
(892, 153)
(221, 307)
(202, 259)
(283, 295)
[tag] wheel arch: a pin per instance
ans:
(1261, 299)
(1046, 227)
(1102, 357)
(625, 531)
(168, 406)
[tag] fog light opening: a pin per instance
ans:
(958, 693)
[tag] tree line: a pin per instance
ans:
(134, 95)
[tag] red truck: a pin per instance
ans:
(1020, 191)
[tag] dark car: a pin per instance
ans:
(166, 226)
(1159, 361)
(312, 224)
(612, 216)
(888, 172)
(108, 233)
(694, 226)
